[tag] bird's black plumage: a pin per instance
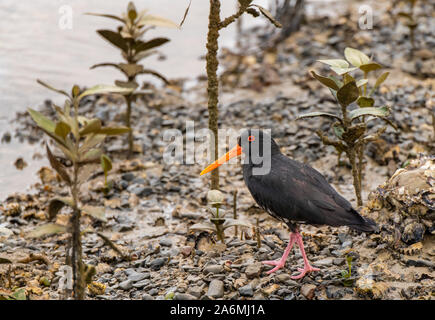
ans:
(295, 192)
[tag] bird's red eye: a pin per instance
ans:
(251, 138)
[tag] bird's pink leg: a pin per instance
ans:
(307, 267)
(281, 262)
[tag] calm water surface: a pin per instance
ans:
(32, 45)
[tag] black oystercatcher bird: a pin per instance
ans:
(290, 191)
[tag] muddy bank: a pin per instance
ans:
(152, 204)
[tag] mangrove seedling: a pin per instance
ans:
(128, 38)
(215, 25)
(350, 128)
(346, 275)
(79, 139)
(217, 222)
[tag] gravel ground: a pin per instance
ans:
(152, 204)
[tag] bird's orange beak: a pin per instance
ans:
(234, 152)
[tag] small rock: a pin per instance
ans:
(195, 291)
(165, 242)
(156, 264)
(214, 268)
(147, 296)
(184, 296)
(324, 262)
(126, 285)
(246, 291)
(138, 276)
(216, 289)
(254, 270)
(307, 291)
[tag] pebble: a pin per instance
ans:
(147, 296)
(165, 242)
(156, 264)
(254, 270)
(137, 276)
(184, 296)
(141, 284)
(324, 262)
(126, 285)
(307, 291)
(216, 289)
(195, 291)
(246, 291)
(214, 268)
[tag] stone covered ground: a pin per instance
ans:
(152, 204)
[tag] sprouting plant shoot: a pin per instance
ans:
(350, 128)
(215, 25)
(128, 38)
(79, 140)
(347, 274)
(217, 222)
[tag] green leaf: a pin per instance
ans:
(361, 82)
(52, 88)
(131, 10)
(356, 57)
(106, 164)
(144, 46)
(93, 126)
(113, 131)
(348, 93)
(42, 121)
(96, 212)
(204, 226)
(229, 222)
(379, 81)
(348, 78)
(92, 155)
(110, 16)
(325, 81)
(268, 16)
(372, 66)
(337, 63)
(58, 166)
(156, 74)
(114, 38)
(75, 91)
(47, 229)
(365, 102)
(341, 71)
(370, 111)
(131, 69)
(56, 204)
(156, 21)
(90, 142)
(106, 64)
(318, 114)
(104, 89)
(132, 85)
(62, 129)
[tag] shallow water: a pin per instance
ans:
(33, 45)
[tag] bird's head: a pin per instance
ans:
(257, 145)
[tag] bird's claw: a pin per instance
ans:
(278, 265)
(304, 271)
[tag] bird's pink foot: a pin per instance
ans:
(278, 265)
(304, 271)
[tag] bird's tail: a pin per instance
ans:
(364, 225)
